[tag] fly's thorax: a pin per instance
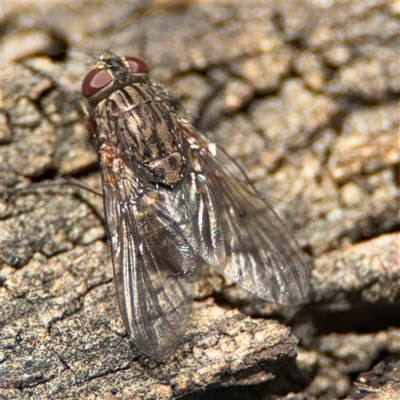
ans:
(146, 129)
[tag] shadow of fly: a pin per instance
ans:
(174, 200)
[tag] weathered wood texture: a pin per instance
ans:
(306, 97)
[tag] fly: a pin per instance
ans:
(174, 200)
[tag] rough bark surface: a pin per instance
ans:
(306, 98)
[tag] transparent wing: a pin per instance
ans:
(156, 259)
(256, 250)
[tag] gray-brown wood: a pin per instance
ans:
(306, 98)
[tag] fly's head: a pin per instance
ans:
(111, 73)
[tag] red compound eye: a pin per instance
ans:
(137, 65)
(94, 81)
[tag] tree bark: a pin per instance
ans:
(305, 97)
